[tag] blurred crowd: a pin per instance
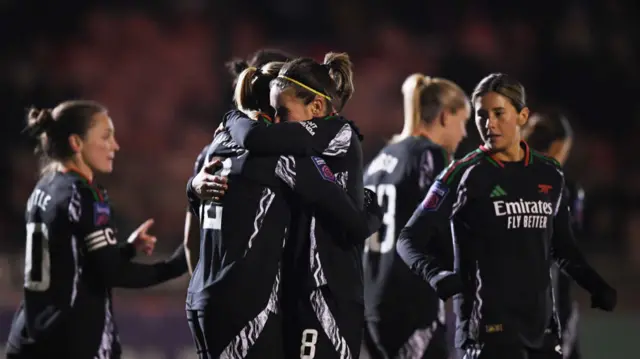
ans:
(159, 68)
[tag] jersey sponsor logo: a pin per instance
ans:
(544, 188)
(100, 238)
(324, 169)
(101, 213)
(524, 214)
(435, 196)
(309, 126)
(384, 162)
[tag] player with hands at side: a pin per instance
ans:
(550, 133)
(405, 318)
(505, 207)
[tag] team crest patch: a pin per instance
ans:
(324, 169)
(435, 196)
(101, 213)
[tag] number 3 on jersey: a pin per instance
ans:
(211, 215)
(387, 201)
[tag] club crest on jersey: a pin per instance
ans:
(324, 169)
(544, 188)
(101, 213)
(434, 198)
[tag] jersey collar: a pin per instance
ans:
(266, 118)
(77, 174)
(497, 162)
(98, 192)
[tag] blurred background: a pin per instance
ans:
(158, 67)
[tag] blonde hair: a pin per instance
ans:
(424, 98)
(251, 94)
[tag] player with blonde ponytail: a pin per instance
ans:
(405, 318)
(411, 99)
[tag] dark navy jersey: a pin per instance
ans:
(509, 221)
(323, 254)
(72, 261)
(401, 174)
(562, 282)
(242, 237)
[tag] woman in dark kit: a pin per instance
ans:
(235, 306)
(235, 67)
(322, 271)
(551, 134)
(73, 258)
(505, 207)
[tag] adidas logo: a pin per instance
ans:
(497, 192)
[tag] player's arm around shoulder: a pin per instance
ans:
(312, 179)
(305, 138)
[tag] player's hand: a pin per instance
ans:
(605, 299)
(208, 186)
(142, 240)
(373, 210)
(219, 129)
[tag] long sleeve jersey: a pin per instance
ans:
(72, 261)
(242, 237)
(562, 282)
(508, 221)
(401, 175)
(322, 254)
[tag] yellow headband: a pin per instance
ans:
(305, 87)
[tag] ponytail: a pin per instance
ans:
(52, 128)
(251, 94)
(425, 98)
(243, 94)
(411, 91)
(341, 72)
(38, 121)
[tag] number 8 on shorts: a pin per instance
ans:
(308, 347)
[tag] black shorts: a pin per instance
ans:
(318, 326)
(261, 338)
(388, 340)
(551, 349)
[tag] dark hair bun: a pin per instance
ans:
(39, 121)
(236, 67)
